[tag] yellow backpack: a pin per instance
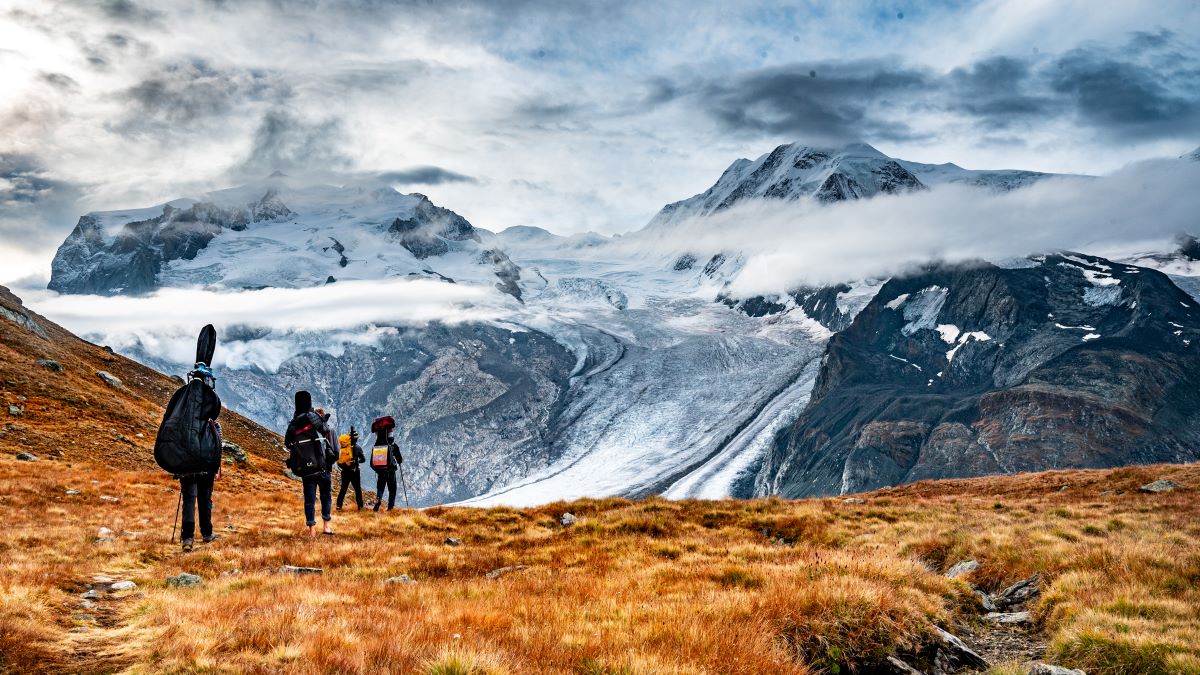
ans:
(346, 458)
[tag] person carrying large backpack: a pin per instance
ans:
(385, 460)
(349, 458)
(311, 458)
(188, 444)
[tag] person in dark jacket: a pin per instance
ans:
(196, 488)
(351, 476)
(319, 481)
(386, 476)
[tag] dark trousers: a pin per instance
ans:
(386, 481)
(197, 496)
(350, 477)
(311, 485)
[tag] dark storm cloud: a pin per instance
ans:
(60, 81)
(384, 76)
(30, 198)
(425, 175)
(128, 11)
(183, 93)
(1147, 89)
(1000, 92)
(1131, 99)
(829, 101)
(285, 142)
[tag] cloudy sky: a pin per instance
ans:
(566, 115)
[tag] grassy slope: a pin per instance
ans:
(74, 412)
(652, 586)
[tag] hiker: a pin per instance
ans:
(188, 444)
(311, 458)
(349, 458)
(385, 460)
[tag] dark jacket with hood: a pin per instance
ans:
(304, 414)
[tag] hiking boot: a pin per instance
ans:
(376, 507)
(187, 545)
(210, 538)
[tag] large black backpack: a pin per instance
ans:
(306, 449)
(189, 440)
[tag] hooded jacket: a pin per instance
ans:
(304, 410)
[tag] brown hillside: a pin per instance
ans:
(805, 587)
(73, 416)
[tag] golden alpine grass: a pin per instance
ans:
(654, 586)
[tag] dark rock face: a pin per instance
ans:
(427, 231)
(475, 405)
(887, 177)
(1074, 362)
(684, 262)
(89, 262)
(1189, 247)
(506, 271)
(819, 303)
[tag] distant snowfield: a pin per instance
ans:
(672, 393)
(683, 395)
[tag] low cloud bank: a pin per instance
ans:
(263, 328)
(787, 244)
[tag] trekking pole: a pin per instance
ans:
(177, 509)
(405, 486)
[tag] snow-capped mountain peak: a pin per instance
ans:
(794, 171)
(855, 171)
(271, 232)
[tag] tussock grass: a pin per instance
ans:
(761, 586)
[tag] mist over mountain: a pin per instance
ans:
(704, 355)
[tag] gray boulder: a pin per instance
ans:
(234, 453)
(293, 569)
(953, 654)
(1008, 617)
(16, 411)
(898, 667)
(497, 573)
(1047, 669)
(184, 580)
(122, 586)
(986, 601)
(568, 519)
(110, 379)
(452, 541)
(1020, 592)
(1158, 486)
(50, 364)
(962, 568)
(26, 457)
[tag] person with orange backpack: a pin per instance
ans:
(348, 460)
(385, 460)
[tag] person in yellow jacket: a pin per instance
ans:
(350, 457)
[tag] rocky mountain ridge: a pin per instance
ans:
(1072, 361)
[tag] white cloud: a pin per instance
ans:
(441, 84)
(1139, 208)
(283, 321)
